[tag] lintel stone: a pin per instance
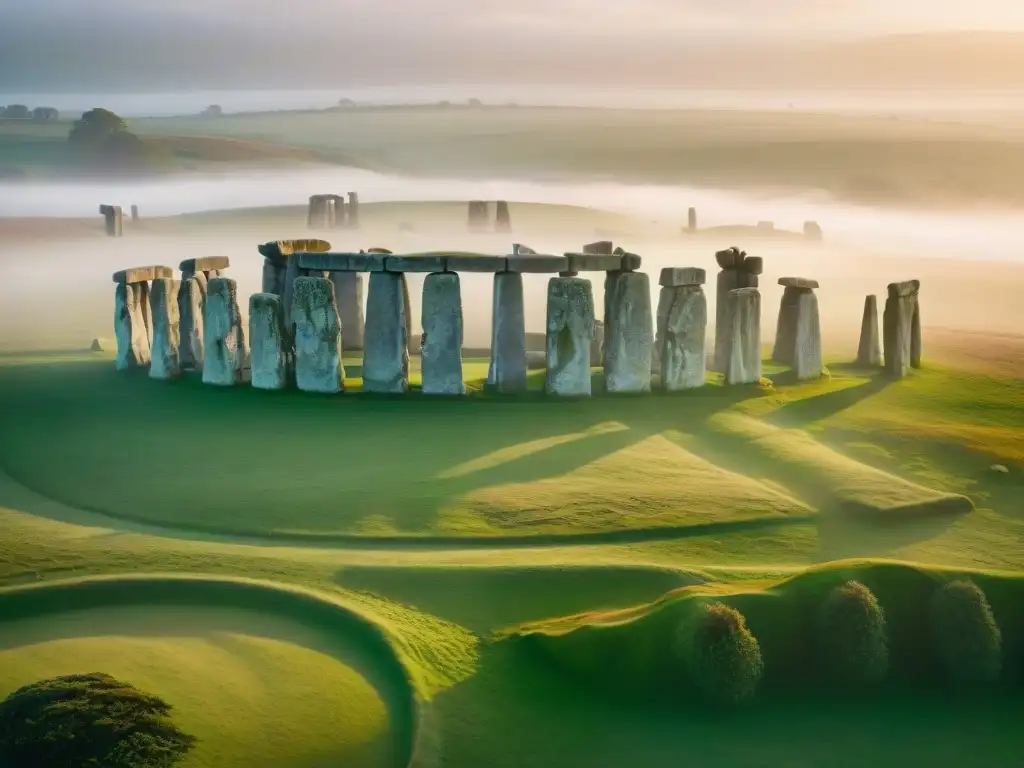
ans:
(143, 274)
(475, 262)
(205, 264)
(905, 288)
(630, 262)
(414, 263)
(280, 250)
(674, 277)
(537, 264)
(594, 262)
(601, 247)
(798, 282)
(342, 262)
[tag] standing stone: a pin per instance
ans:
(348, 291)
(784, 350)
(869, 351)
(898, 328)
(166, 330)
(812, 231)
(502, 219)
(273, 362)
(682, 328)
(113, 220)
(507, 371)
(146, 310)
(273, 277)
(738, 271)
(570, 328)
(744, 364)
(330, 213)
(191, 307)
(691, 220)
(226, 352)
(317, 329)
(806, 363)
(135, 213)
(386, 354)
(133, 349)
(915, 334)
(353, 210)
(665, 298)
(441, 349)
(630, 334)
(477, 215)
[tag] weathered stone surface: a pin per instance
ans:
(342, 262)
(146, 310)
(904, 289)
(785, 329)
(744, 364)
(353, 210)
(508, 366)
(113, 220)
(143, 274)
(677, 276)
(292, 271)
(477, 215)
(682, 357)
(518, 249)
(597, 344)
(812, 230)
(915, 335)
(273, 277)
(386, 353)
(226, 351)
(348, 291)
(570, 328)
(414, 263)
(441, 349)
(798, 282)
(191, 307)
(317, 338)
(728, 280)
(901, 328)
(691, 220)
(869, 350)
(133, 349)
(271, 345)
(594, 262)
(537, 264)
(600, 247)
(473, 262)
(665, 298)
(730, 258)
(753, 265)
(166, 331)
(630, 334)
(631, 262)
(204, 264)
(502, 217)
(806, 362)
(280, 250)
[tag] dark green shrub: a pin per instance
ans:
(852, 637)
(966, 638)
(92, 721)
(722, 656)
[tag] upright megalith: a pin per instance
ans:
(477, 216)
(738, 271)
(502, 217)
(165, 362)
(270, 342)
(191, 307)
(113, 220)
(353, 218)
(317, 329)
(135, 213)
(901, 328)
(133, 320)
(869, 350)
(507, 370)
(744, 363)
(691, 220)
(322, 213)
(386, 351)
(226, 351)
(441, 348)
(208, 266)
(570, 328)
(798, 333)
(348, 290)
(682, 328)
(277, 255)
(812, 231)
(629, 334)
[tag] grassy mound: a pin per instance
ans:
(630, 649)
(967, 639)
(853, 643)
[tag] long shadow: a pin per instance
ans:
(811, 409)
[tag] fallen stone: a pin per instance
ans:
(348, 292)
(537, 264)
(471, 262)
(166, 331)
(730, 258)
(672, 277)
(684, 334)
(798, 282)
(386, 353)
(869, 350)
(204, 264)
(507, 370)
(441, 348)
(629, 334)
(143, 274)
(133, 349)
(425, 263)
(271, 345)
(600, 247)
(753, 265)
(570, 328)
(317, 336)
(806, 362)
(744, 365)
(225, 351)
(594, 262)
(191, 308)
(342, 262)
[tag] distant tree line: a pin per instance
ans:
(22, 112)
(101, 137)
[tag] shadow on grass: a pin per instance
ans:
(807, 410)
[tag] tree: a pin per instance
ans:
(852, 637)
(722, 654)
(17, 112)
(96, 126)
(965, 634)
(91, 721)
(45, 114)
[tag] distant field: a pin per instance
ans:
(904, 160)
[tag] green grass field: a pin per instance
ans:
(382, 581)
